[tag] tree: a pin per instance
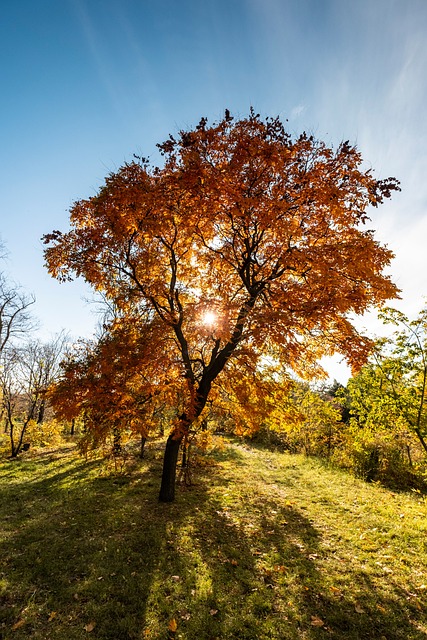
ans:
(26, 374)
(15, 323)
(245, 244)
(116, 383)
(316, 429)
(15, 319)
(401, 363)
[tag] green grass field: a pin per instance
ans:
(264, 545)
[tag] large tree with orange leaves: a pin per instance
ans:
(245, 243)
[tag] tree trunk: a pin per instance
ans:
(421, 439)
(40, 416)
(117, 442)
(73, 427)
(142, 446)
(184, 461)
(170, 460)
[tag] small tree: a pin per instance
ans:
(246, 243)
(27, 372)
(398, 385)
(15, 318)
(317, 429)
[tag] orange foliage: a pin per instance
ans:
(119, 382)
(243, 221)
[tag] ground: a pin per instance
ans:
(264, 545)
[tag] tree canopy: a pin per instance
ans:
(245, 244)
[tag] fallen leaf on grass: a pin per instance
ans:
(175, 578)
(213, 612)
(173, 625)
(280, 568)
(18, 625)
(335, 589)
(90, 626)
(52, 616)
(317, 622)
(358, 609)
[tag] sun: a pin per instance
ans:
(209, 318)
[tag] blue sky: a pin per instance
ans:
(87, 83)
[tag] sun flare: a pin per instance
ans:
(209, 318)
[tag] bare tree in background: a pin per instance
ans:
(15, 317)
(25, 377)
(16, 322)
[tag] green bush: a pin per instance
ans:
(393, 458)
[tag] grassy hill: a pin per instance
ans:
(263, 546)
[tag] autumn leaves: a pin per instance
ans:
(241, 218)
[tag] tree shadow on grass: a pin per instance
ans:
(265, 577)
(98, 555)
(79, 551)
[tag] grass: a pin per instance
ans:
(264, 546)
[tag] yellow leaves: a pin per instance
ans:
(19, 624)
(172, 626)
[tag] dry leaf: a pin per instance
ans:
(175, 578)
(52, 616)
(173, 625)
(316, 621)
(234, 563)
(335, 589)
(18, 624)
(213, 612)
(90, 627)
(358, 609)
